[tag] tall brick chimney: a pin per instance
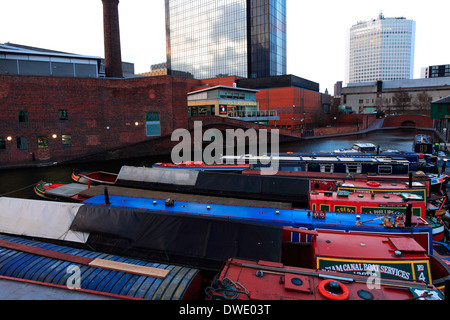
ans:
(113, 56)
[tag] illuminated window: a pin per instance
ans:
(42, 142)
(66, 140)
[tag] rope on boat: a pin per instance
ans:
(229, 289)
(24, 188)
(21, 189)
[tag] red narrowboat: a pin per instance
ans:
(94, 178)
(336, 266)
(201, 166)
(373, 203)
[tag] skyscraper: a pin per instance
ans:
(381, 49)
(210, 38)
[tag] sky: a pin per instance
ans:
(316, 31)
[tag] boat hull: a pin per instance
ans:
(248, 280)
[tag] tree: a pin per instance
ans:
(423, 103)
(402, 100)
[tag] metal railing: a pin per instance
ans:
(252, 114)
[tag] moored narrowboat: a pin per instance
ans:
(324, 163)
(371, 203)
(61, 191)
(96, 273)
(94, 177)
(307, 271)
(298, 218)
(201, 166)
(246, 280)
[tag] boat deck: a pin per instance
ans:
(162, 195)
(67, 191)
(280, 216)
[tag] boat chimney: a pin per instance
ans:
(444, 165)
(106, 196)
(410, 180)
(408, 222)
(113, 56)
(447, 291)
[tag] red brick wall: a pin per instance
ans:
(420, 121)
(283, 100)
(93, 105)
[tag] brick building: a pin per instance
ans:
(51, 118)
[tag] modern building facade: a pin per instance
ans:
(436, 71)
(216, 38)
(381, 49)
(412, 96)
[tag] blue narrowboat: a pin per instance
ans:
(324, 163)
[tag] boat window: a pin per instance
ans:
(327, 168)
(385, 169)
(354, 168)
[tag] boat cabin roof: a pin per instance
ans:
(319, 158)
(354, 197)
(373, 247)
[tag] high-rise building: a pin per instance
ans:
(436, 71)
(211, 38)
(381, 49)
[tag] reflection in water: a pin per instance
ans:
(19, 182)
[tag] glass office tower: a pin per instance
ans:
(381, 49)
(214, 38)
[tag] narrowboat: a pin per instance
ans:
(298, 218)
(324, 163)
(201, 166)
(99, 274)
(60, 191)
(306, 270)
(247, 280)
(423, 144)
(94, 178)
(418, 188)
(385, 204)
(392, 205)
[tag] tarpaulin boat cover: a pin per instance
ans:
(200, 241)
(217, 183)
(157, 175)
(42, 219)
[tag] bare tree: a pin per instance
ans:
(402, 100)
(423, 103)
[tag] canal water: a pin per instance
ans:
(19, 183)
